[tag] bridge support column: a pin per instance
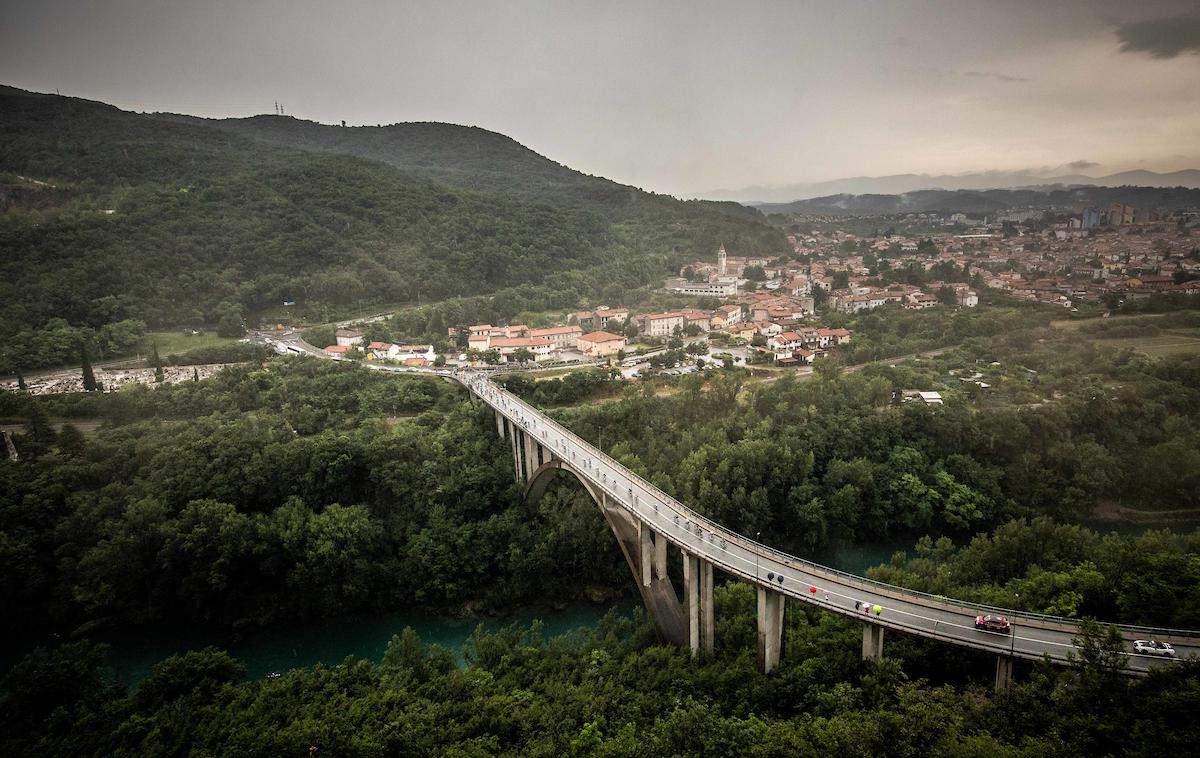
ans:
(872, 649)
(660, 557)
(770, 629)
(1004, 672)
(500, 424)
(515, 439)
(698, 601)
(707, 616)
(531, 462)
(691, 600)
(646, 542)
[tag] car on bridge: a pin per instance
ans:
(1150, 647)
(991, 623)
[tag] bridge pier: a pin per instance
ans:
(1004, 672)
(660, 557)
(770, 628)
(500, 424)
(646, 542)
(531, 461)
(872, 648)
(515, 442)
(698, 602)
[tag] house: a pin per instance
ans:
(600, 344)
(604, 315)
(767, 328)
(920, 300)
(661, 324)
(381, 351)
(743, 331)
(562, 337)
(731, 313)
(540, 347)
(479, 342)
(697, 317)
(348, 337)
(827, 338)
(784, 344)
(407, 353)
(917, 396)
(798, 357)
(337, 351)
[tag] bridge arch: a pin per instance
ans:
(662, 603)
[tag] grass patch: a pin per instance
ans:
(1157, 346)
(172, 343)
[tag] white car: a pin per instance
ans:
(1150, 647)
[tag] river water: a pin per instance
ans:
(329, 641)
(307, 643)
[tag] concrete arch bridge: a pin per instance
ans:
(646, 521)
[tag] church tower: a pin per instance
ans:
(721, 261)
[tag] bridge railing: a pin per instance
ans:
(812, 566)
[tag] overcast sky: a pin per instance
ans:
(679, 97)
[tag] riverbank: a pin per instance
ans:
(303, 644)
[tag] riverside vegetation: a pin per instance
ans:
(300, 488)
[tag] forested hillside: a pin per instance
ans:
(471, 158)
(113, 216)
(281, 492)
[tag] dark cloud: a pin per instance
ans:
(1162, 38)
(1082, 165)
(997, 77)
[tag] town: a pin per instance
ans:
(777, 310)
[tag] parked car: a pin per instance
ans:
(992, 623)
(1151, 647)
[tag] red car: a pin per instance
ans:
(993, 624)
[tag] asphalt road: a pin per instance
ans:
(948, 620)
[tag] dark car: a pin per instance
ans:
(991, 623)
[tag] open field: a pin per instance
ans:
(1157, 345)
(177, 342)
(1075, 324)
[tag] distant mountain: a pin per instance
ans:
(467, 158)
(901, 183)
(107, 215)
(987, 201)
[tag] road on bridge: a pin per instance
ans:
(1032, 637)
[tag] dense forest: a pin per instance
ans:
(111, 216)
(611, 693)
(302, 488)
(299, 488)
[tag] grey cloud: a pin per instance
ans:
(1162, 38)
(1082, 165)
(998, 77)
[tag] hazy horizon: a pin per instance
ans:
(684, 98)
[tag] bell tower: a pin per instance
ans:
(721, 261)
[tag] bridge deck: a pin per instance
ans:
(1033, 636)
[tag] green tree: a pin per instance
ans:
(156, 362)
(522, 355)
(39, 435)
(89, 377)
(230, 321)
(71, 441)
